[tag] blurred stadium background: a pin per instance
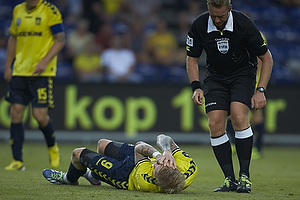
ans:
(158, 86)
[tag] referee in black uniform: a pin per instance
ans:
(232, 43)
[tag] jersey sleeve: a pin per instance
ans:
(256, 42)
(194, 46)
(55, 20)
(264, 37)
(186, 165)
(13, 25)
(143, 179)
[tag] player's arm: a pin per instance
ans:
(143, 150)
(59, 43)
(266, 69)
(167, 145)
(193, 74)
(165, 142)
(259, 63)
(11, 52)
(259, 100)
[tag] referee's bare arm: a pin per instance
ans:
(258, 100)
(266, 69)
(193, 74)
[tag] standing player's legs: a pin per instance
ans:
(217, 105)
(243, 143)
(16, 136)
(18, 96)
(243, 135)
(222, 149)
(47, 127)
(41, 90)
(241, 92)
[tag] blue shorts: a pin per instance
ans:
(219, 94)
(110, 170)
(35, 90)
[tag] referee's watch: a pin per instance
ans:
(261, 89)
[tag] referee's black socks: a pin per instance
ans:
(222, 150)
(244, 143)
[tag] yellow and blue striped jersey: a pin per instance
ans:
(34, 30)
(141, 177)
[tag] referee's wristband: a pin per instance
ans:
(155, 154)
(195, 85)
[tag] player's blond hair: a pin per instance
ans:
(170, 180)
(219, 3)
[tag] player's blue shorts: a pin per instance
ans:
(110, 170)
(35, 90)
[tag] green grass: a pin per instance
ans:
(275, 176)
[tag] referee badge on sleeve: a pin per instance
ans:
(223, 45)
(189, 41)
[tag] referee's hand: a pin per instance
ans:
(258, 100)
(198, 97)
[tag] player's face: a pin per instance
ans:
(32, 3)
(219, 15)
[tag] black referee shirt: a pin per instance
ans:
(231, 52)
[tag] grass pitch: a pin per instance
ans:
(275, 176)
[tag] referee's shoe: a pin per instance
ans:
(244, 184)
(227, 186)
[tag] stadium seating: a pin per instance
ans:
(280, 25)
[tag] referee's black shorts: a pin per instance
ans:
(219, 94)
